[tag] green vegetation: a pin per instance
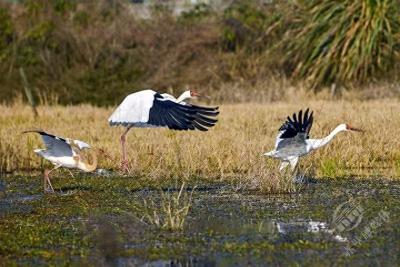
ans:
(98, 51)
(346, 41)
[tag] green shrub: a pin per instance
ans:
(244, 23)
(97, 50)
(6, 31)
(345, 41)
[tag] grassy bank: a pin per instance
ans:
(230, 150)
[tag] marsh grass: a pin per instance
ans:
(266, 178)
(230, 150)
(171, 211)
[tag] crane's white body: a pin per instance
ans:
(134, 109)
(62, 161)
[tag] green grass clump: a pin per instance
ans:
(332, 168)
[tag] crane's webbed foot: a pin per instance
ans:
(124, 166)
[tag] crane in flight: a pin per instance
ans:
(293, 140)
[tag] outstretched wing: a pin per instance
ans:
(298, 126)
(80, 144)
(176, 116)
(56, 146)
(148, 108)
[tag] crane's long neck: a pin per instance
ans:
(317, 143)
(183, 97)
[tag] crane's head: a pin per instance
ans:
(188, 95)
(194, 94)
(348, 127)
(87, 159)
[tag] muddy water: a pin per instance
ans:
(327, 223)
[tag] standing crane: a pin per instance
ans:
(148, 109)
(293, 140)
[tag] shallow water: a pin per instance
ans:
(328, 222)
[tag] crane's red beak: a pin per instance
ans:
(194, 93)
(351, 128)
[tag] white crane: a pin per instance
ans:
(293, 140)
(149, 108)
(63, 152)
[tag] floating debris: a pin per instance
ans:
(315, 227)
(104, 172)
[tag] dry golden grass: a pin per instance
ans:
(231, 150)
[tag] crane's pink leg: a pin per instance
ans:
(124, 161)
(47, 184)
(45, 178)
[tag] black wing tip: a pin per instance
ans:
(307, 110)
(182, 117)
(204, 109)
(301, 116)
(43, 133)
(39, 131)
(297, 123)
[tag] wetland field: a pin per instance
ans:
(201, 198)
(204, 199)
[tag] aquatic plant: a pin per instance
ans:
(172, 210)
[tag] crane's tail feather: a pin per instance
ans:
(283, 165)
(269, 154)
